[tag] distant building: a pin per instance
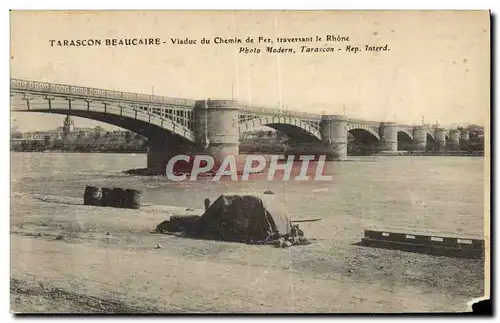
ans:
(41, 135)
(70, 137)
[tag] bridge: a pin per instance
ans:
(175, 125)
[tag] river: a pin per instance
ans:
(435, 193)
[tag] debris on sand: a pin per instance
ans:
(163, 227)
(432, 243)
(112, 197)
(178, 223)
(236, 217)
(140, 172)
(158, 246)
(295, 237)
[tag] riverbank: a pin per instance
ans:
(53, 151)
(430, 153)
(273, 152)
(67, 257)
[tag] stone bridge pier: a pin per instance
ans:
(453, 140)
(332, 142)
(440, 136)
(333, 129)
(389, 137)
(216, 128)
(420, 138)
(464, 139)
(162, 147)
(216, 134)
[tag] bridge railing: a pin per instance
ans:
(117, 109)
(276, 111)
(88, 92)
(366, 122)
(64, 90)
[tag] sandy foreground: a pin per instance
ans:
(70, 258)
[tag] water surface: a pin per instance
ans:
(438, 193)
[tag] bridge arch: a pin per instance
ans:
(121, 115)
(363, 135)
(362, 141)
(405, 134)
(361, 131)
(292, 127)
(405, 139)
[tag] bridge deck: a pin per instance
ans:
(45, 88)
(140, 99)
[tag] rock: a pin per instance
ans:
(350, 270)
(287, 244)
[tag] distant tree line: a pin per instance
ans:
(82, 142)
(261, 141)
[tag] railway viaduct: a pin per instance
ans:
(175, 125)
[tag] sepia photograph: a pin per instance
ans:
(249, 161)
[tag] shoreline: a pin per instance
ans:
(434, 154)
(395, 154)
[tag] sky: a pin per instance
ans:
(438, 66)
